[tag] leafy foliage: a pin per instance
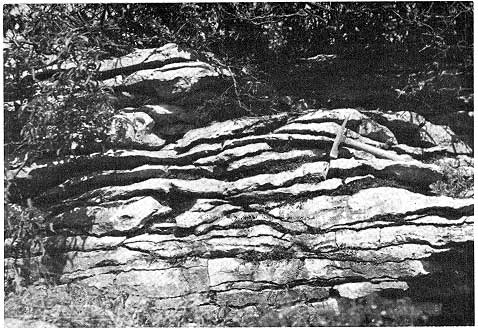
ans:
(457, 182)
(24, 228)
(81, 306)
(66, 112)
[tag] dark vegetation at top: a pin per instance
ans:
(263, 44)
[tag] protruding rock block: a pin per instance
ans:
(142, 59)
(414, 130)
(134, 129)
(113, 217)
(326, 212)
(358, 122)
(221, 131)
(412, 172)
(176, 80)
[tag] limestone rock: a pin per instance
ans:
(135, 130)
(204, 211)
(221, 131)
(82, 243)
(335, 115)
(32, 180)
(361, 289)
(242, 219)
(414, 130)
(358, 122)
(224, 242)
(242, 298)
(270, 160)
(82, 184)
(234, 153)
(201, 151)
(299, 141)
(417, 152)
(141, 59)
(329, 129)
(175, 80)
(286, 193)
(282, 271)
(411, 172)
(200, 187)
(167, 113)
(249, 212)
(169, 119)
(164, 283)
(111, 217)
(17, 323)
(317, 171)
(325, 212)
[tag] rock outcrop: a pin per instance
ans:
(245, 212)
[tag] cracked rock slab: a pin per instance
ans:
(174, 80)
(145, 58)
(358, 122)
(414, 130)
(234, 153)
(229, 129)
(412, 172)
(325, 212)
(283, 271)
(269, 159)
(362, 289)
(114, 217)
(328, 129)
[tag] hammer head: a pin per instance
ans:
(334, 152)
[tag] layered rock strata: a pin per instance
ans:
(250, 212)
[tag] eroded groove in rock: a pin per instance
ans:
(38, 178)
(409, 172)
(328, 129)
(290, 192)
(358, 122)
(234, 153)
(219, 132)
(82, 184)
(273, 161)
(413, 129)
(113, 217)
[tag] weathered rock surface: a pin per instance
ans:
(325, 212)
(412, 129)
(115, 217)
(221, 131)
(134, 130)
(139, 59)
(357, 290)
(325, 129)
(250, 211)
(175, 80)
(142, 59)
(17, 323)
(358, 122)
(410, 172)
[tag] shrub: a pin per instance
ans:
(457, 182)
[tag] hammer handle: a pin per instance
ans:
(334, 152)
(373, 150)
